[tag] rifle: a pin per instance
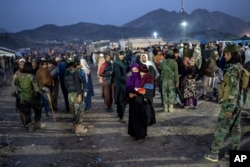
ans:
(238, 111)
(81, 108)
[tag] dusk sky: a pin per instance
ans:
(17, 15)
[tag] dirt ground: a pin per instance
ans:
(178, 139)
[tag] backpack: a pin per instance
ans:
(244, 78)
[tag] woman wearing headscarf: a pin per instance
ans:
(86, 78)
(137, 88)
(151, 68)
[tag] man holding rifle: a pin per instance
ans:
(229, 95)
(73, 85)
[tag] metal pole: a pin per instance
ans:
(182, 20)
(50, 103)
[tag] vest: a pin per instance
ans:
(69, 80)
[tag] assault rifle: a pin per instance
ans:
(237, 110)
(81, 108)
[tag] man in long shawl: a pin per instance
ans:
(120, 76)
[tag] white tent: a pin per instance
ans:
(7, 52)
(144, 42)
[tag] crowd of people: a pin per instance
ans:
(132, 77)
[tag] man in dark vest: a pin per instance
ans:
(73, 86)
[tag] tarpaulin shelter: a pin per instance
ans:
(7, 52)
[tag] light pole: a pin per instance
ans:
(155, 34)
(183, 24)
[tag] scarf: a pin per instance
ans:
(149, 63)
(133, 81)
(85, 68)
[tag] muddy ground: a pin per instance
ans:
(178, 139)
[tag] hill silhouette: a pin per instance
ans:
(201, 24)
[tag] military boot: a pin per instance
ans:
(171, 108)
(78, 129)
(211, 157)
(166, 107)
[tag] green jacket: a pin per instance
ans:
(27, 86)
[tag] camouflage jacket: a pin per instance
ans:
(169, 71)
(230, 87)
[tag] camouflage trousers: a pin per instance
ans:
(168, 92)
(223, 128)
(74, 105)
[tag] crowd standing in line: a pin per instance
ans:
(132, 77)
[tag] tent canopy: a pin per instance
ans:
(7, 52)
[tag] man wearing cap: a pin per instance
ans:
(229, 115)
(73, 86)
(21, 63)
(14, 88)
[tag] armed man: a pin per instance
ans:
(229, 96)
(74, 88)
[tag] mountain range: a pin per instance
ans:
(201, 24)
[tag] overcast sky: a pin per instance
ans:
(17, 15)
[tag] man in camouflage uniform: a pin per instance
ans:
(29, 98)
(228, 119)
(170, 80)
(74, 88)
